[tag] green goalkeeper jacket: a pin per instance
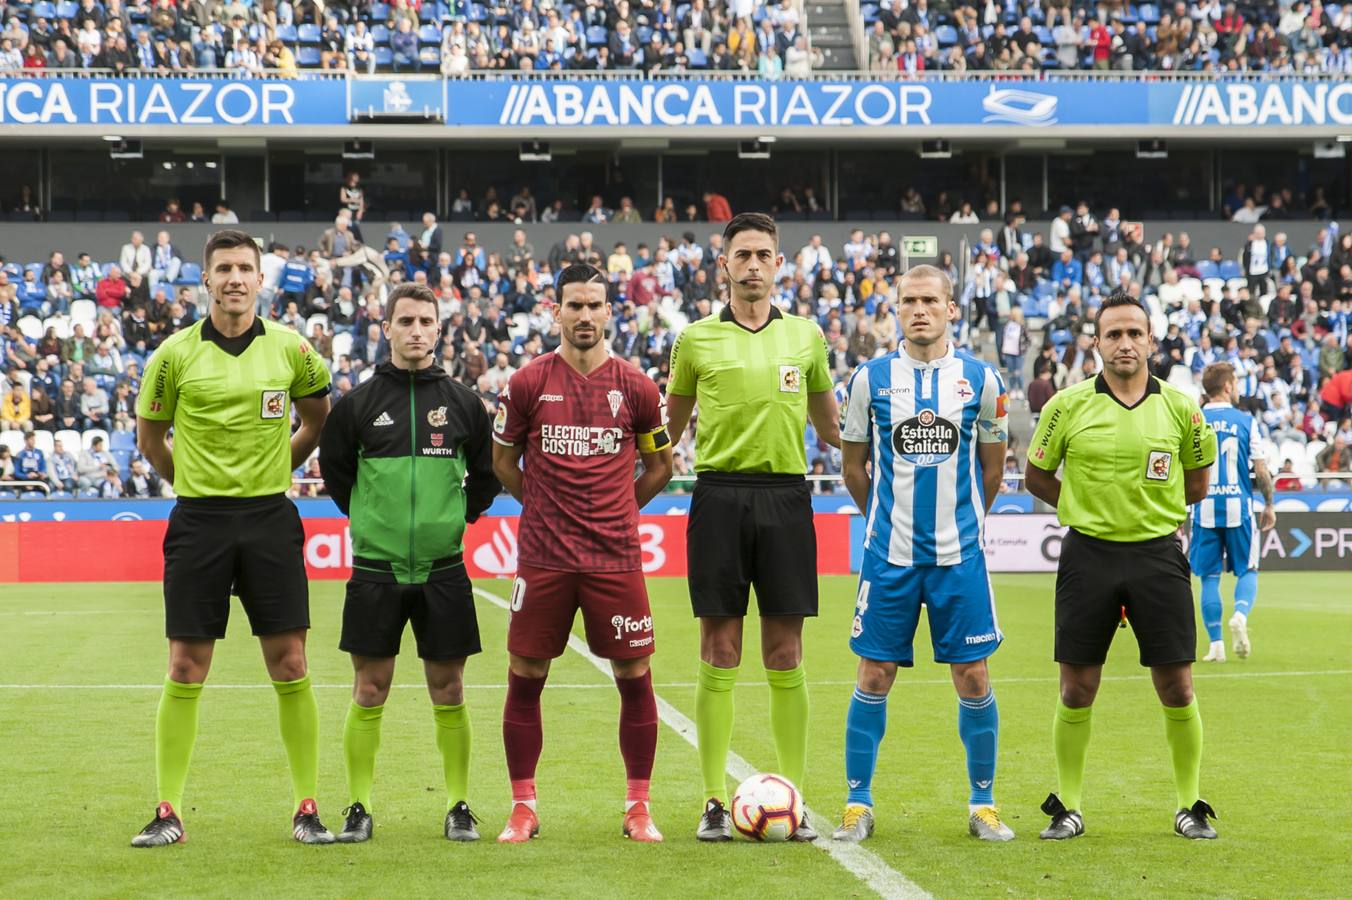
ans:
(408, 457)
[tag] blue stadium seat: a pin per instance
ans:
(60, 495)
(430, 56)
(597, 35)
(1230, 269)
(191, 273)
(379, 12)
(122, 440)
(384, 57)
(380, 34)
(43, 10)
(8, 495)
(32, 495)
(67, 9)
(1044, 34)
(309, 57)
(430, 34)
(309, 34)
(90, 493)
(870, 12)
(477, 13)
(14, 270)
(987, 31)
(430, 12)
(1208, 269)
(287, 34)
(644, 34)
(35, 268)
(946, 35)
(698, 59)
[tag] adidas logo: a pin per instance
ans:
(382, 420)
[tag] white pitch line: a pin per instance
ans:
(859, 861)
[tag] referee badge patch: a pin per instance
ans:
(273, 405)
(1157, 468)
(790, 379)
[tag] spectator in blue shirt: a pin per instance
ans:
(1067, 270)
(31, 463)
(296, 277)
(396, 257)
(63, 476)
(404, 44)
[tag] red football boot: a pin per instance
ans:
(521, 826)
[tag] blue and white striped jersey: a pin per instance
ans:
(923, 422)
(1229, 497)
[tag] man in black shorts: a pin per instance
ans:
(758, 375)
(408, 457)
(227, 385)
(1137, 452)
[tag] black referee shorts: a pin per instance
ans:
(1095, 579)
(746, 530)
(255, 544)
(442, 613)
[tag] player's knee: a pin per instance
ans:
(723, 654)
(630, 668)
(971, 680)
(370, 694)
(290, 666)
(187, 671)
(876, 677)
(783, 656)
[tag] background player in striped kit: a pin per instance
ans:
(1223, 528)
(931, 419)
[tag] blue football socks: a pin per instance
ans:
(979, 728)
(865, 724)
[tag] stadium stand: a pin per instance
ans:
(1279, 313)
(453, 38)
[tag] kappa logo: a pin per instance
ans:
(551, 398)
(274, 405)
(382, 420)
(615, 398)
(437, 417)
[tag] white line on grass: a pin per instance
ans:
(860, 862)
(564, 686)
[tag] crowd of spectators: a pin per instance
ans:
(1219, 36)
(768, 37)
(75, 335)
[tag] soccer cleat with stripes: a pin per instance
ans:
(358, 826)
(460, 824)
(985, 823)
(855, 825)
(638, 825)
(1192, 823)
(522, 825)
(306, 827)
(715, 824)
(804, 832)
(165, 828)
(1066, 823)
(1239, 635)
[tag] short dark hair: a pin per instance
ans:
(580, 273)
(419, 293)
(1121, 298)
(229, 239)
(1216, 376)
(750, 222)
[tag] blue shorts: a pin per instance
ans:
(958, 598)
(1233, 549)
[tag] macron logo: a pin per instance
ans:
(382, 420)
(980, 638)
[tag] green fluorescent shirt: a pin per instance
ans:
(1123, 478)
(229, 400)
(752, 389)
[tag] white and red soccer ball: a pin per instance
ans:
(767, 808)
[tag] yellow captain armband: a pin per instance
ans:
(654, 441)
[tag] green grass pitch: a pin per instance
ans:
(78, 770)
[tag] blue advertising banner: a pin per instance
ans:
(669, 103)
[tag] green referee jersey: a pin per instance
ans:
(229, 400)
(1123, 478)
(751, 387)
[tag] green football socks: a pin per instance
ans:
(1070, 737)
(788, 720)
(361, 742)
(298, 714)
(713, 726)
(175, 735)
(453, 740)
(1183, 728)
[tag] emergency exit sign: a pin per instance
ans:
(920, 246)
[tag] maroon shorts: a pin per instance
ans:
(614, 608)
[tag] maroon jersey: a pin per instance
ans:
(582, 435)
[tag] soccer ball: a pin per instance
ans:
(767, 808)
